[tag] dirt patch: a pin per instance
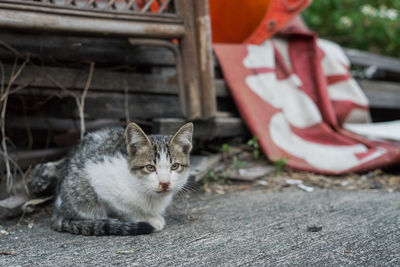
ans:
(236, 171)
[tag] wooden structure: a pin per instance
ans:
(150, 22)
(156, 67)
(150, 61)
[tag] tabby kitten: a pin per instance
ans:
(118, 182)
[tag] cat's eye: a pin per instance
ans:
(175, 166)
(150, 168)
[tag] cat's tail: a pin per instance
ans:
(100, 227)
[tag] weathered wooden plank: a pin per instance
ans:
(77, 49)
(208, 129)
(28, 158)
(205, 54)
(221, 88)
(363, 58)
(31, 20)
(106, 80)
(382, 94)
(90, 13)
(57, 124)
(98, 104)
(189, 51)
(103, 79)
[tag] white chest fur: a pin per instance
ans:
(114, 184)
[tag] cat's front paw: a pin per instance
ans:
(157, 222)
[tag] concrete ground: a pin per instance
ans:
(243, 228)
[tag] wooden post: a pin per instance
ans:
(188, 46)
(206, 63)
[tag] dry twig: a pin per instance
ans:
(126, 103)
(201, 237)
(124, 252)
(14, 76)
(13, 162)
(11, 253)
(2, 78)
(14, 227)
(12, 49)
(82, 102)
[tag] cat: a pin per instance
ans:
(119, 182)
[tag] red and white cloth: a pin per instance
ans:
(295, 93)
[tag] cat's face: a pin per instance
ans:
(160, 163)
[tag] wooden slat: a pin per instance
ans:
(147, 6)
(205, 54)
(163, 6)
(209, 129)
(103, 80)
(97, 104)
(106, 13)
(190, 60)
(382, 94)
(57, 124)
(363, 58)
(35, 21)
(32, 157)
(77, 49)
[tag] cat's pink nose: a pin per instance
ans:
(164, 186)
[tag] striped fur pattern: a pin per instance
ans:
(119, 182)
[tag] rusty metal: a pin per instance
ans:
(178, 61)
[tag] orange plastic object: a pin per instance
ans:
(251, 21)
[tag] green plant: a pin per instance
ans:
(372, 25)
(253, 143)
(225, 148)
(280, 164)
(209, 177)
(238, 164)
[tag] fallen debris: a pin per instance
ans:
(201, 237)
(200, 165)
(293, 181)
(314, 228)
(124, 252)
(305, 188)
(11, 253)
(251, 172)
(300, 185)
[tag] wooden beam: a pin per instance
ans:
(58, 124)
(382, 94)
(32, 20)
(106, 80)
(189, 51)
(207, 129)
(205, 54)
(103, 79)
(97, 104)
(104, 13)
(363, 58)
(69, 48)
(27, 158)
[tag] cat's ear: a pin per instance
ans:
(136, 140)
(182, 139)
